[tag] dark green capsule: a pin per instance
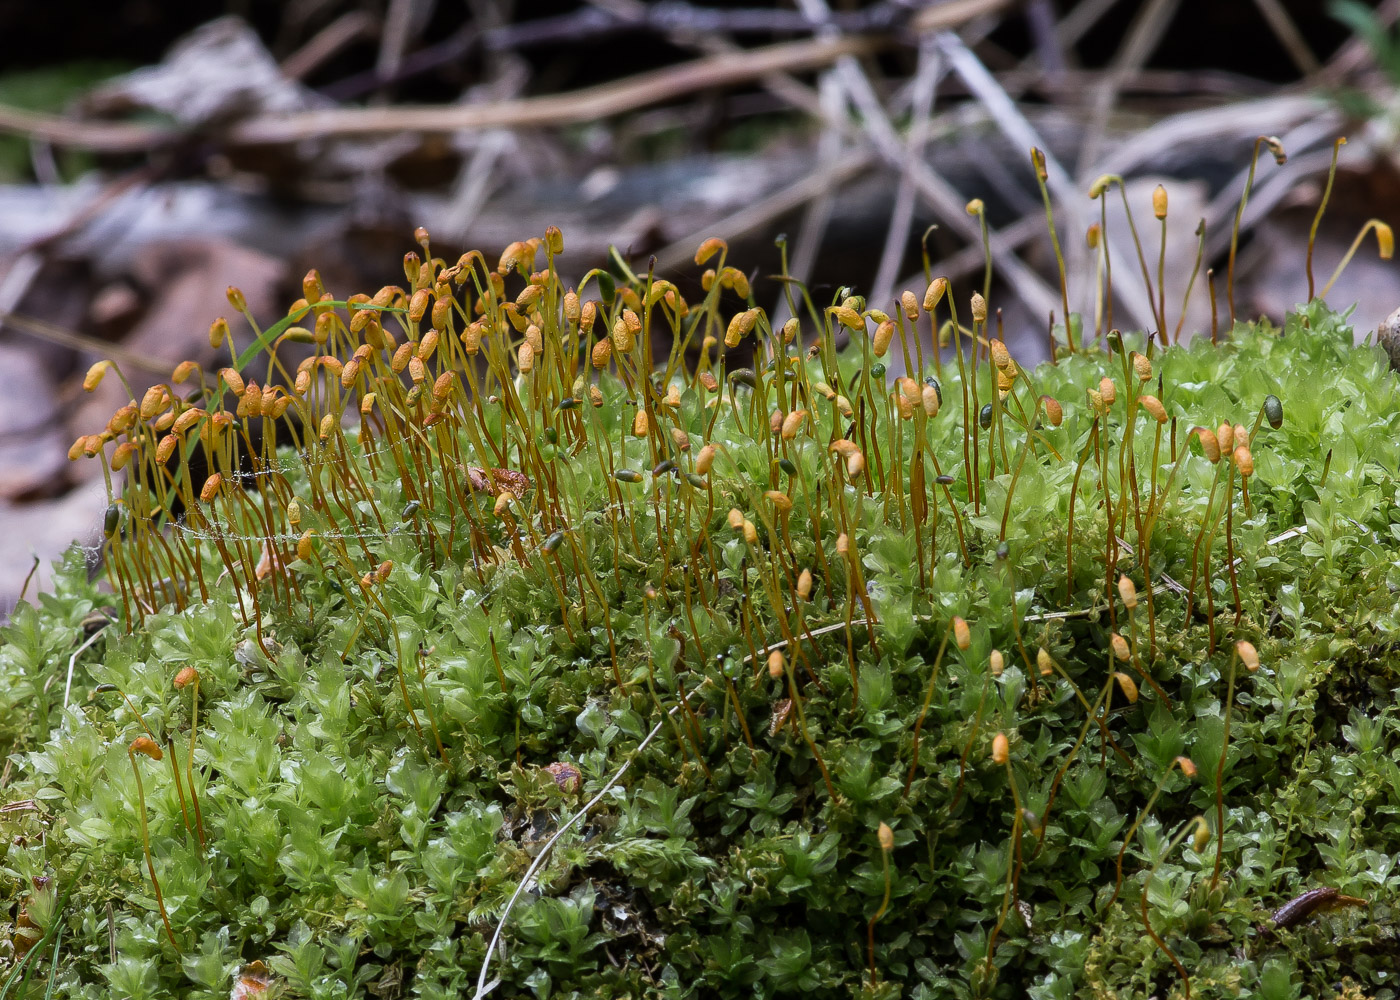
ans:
(985, 417)
(568, 404)
(697, 481)
(744, 376)
(1003, 550)
(1273, 411)
(104, 688)
(1115, 342)
(410, 510)
(627, 476)
(786, 465)
(945, 480)
(111, 520)
(607, 287)
(663, 467)
(553, 541)
(551, 435)
(877, 370)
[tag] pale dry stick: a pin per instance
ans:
(926, 78)
(482, 986)
(1014, 125)
(939, 195)
(1288, 36)
(73, 660)
(1146, 31)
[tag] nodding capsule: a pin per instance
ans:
(409, 510)
(786, 465)
(1273, 411)
(744, 376)
(568, 404)
(663, 467)
(984, 419)
(553, 542)
(627, 476)
(945, 480)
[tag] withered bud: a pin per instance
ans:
(1001, 357)
(554, 240)
(1248, 655)
(1127, 591)
(886, 837)
(1154, 408)
(1225, 434)
(804, 584)
(1120, 647)
(750, 533)
(775, 664)
(735, 518)
(1142, 367)
(708, 249)
(843, 544)
(165, 448)
(1093, 236)
(855, 465)
(640, 424)
(937, 288)
(962, 635)
(910, 304)
(95, 374)
(1053, 411)
(778, 499)
(975, 207)
(1159, 202)
(705, 459)
(996, 663)
(1200, 840)
(211, 487)
(1244, 460)
(931, 400)
(1108, 390)
(791, 329)
(186, 677)
(1210, 444)
(602, 353)
(236, 299)
(792, 423)
(152, 402)
(525, 359)
(122, 455)
(1187, 765)
(232, 379)
(1044, 662)
(848, 317)
(884, 333)
(1038, 161)
(146, 746)
(1127, 685)
(979, 308)
(1001, 749)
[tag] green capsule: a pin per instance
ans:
(551, 435)
(663, 467)
(1273, 411)
(877, 370)
(606, 287)
(111, 520)
(786, 465)
(410, 511)
(627, 476)
(697, 481)
(568, 404)
(554, 541)
(985, 417)
(945, 480)
(744, 376)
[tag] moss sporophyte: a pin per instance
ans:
(489, 630)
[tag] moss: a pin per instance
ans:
(424, 644)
